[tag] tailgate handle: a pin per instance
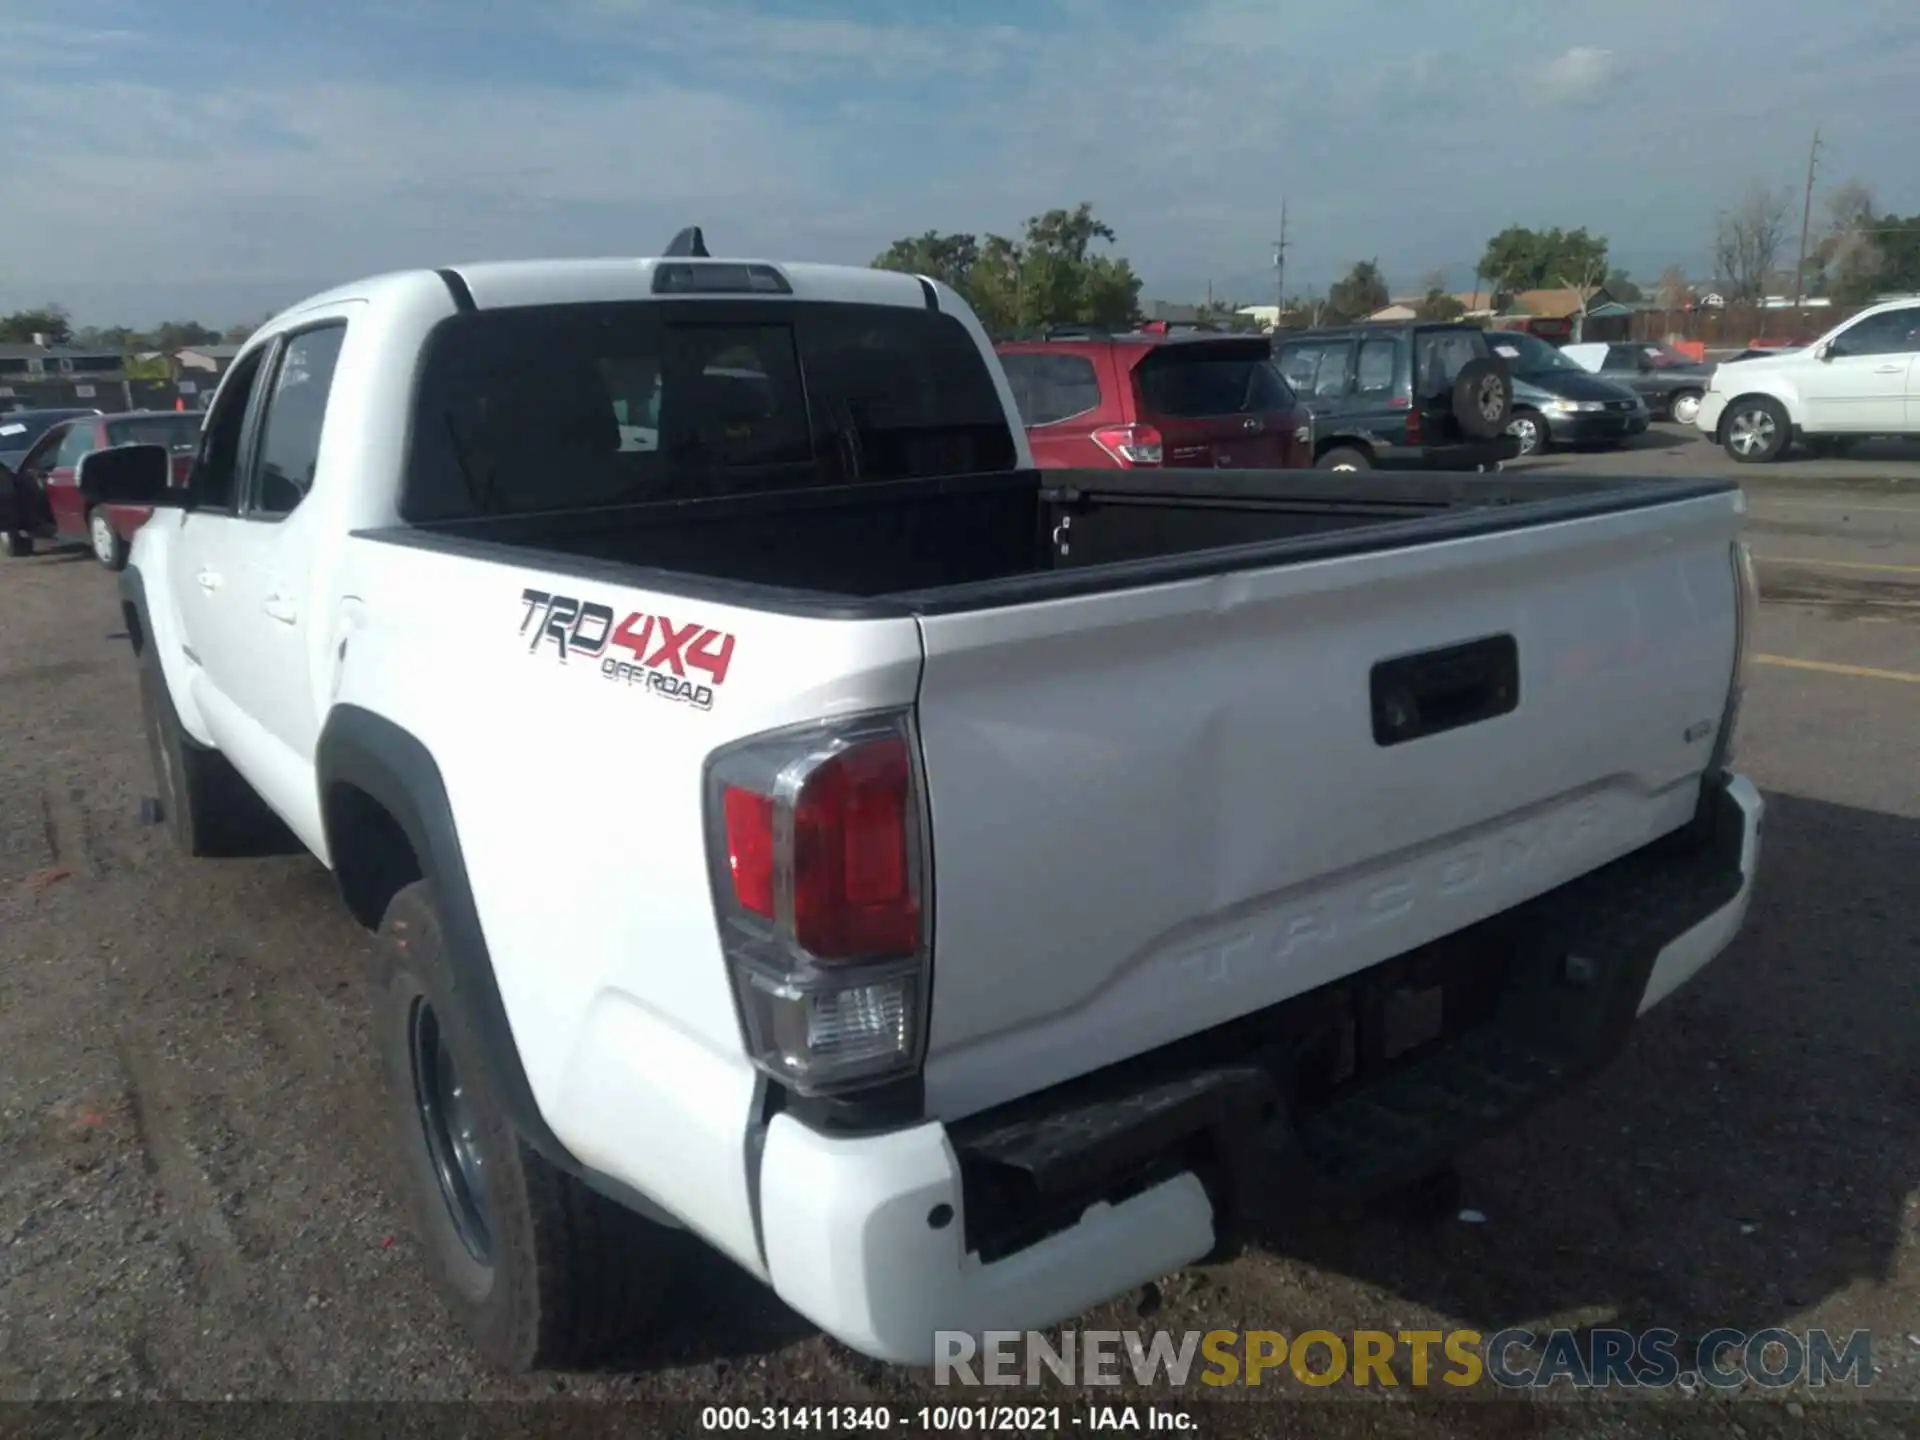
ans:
(1441, 690)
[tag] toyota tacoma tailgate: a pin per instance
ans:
(1155, 810)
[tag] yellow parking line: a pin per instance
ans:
(1836, 564)
(1825, 667)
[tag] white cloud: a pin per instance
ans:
(822, 137)
(1575, 74)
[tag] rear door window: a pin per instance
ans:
(1319, 368)
(291, 427)
(1377, 368)
(544, 408)
(1050, 388)
(1181, 383)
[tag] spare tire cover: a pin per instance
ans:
(1482, 399)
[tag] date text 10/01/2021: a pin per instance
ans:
(965, 1419)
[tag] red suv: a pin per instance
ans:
(1154, 397)
(46, 503)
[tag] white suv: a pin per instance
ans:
(1858, 380)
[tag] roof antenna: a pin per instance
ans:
(689, 242)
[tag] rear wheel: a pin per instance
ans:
(108, 548)
(542, 1271)
(19, 545)
(1530, 429)
(1344, 457)
(1756, 430)
(1685, 407)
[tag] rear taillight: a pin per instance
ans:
(1130, 444)
(1413, 426)
(820, 878)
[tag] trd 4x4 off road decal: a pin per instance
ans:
(659, 652)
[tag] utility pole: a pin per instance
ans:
(1806, 224)
(1280, 269)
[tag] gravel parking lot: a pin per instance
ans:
(194, 1200)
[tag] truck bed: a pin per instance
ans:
(1228, 738)
(975, 541)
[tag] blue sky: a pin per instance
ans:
(217, 159)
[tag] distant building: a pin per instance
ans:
(39, 360)
(213, 359)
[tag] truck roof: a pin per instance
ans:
(503, 283)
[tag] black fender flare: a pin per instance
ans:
(395, 770)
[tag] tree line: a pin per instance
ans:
(55, 325)
(1056, 272)
(1062, 269)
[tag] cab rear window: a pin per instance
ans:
(547, 408)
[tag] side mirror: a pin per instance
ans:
(1823, 352)
(130, 475)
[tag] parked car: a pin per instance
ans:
(1556, 402)
(1161, 397)
(1394, 396)
(1670, 382)
(1273, 831)
(20, 428)
(48, 503)
(1860, 379)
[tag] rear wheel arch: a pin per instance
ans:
(389, 822)
(1341, 442)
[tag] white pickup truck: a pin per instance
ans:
(952, 890)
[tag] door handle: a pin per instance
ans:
(209, 579)
(1888, 369)
(281, 609)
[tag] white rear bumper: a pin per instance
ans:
(852, 1243)
(1688, 954)
(865, 1236)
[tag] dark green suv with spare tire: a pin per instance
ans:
(1401, 396)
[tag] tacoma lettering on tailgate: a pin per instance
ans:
(662, 650)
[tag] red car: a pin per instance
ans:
(46, 503)
(1154, 397)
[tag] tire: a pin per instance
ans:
(1344, 457)
(19, 545)
(1482, 399)
(1755, 430)
(1683, 408)
(207, 808)
(542, 1271)
(108, 548)
(1529, 427)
